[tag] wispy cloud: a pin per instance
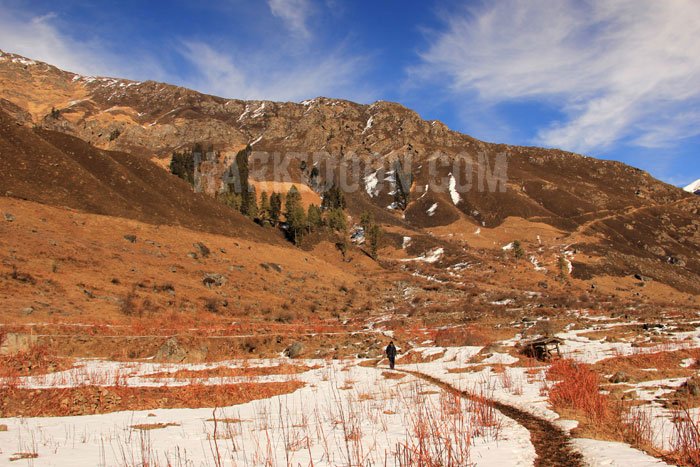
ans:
(267, 71)
(39, 37)
(270, 77)
(623, 70)
(294, 14)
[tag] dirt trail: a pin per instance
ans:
(551, 443)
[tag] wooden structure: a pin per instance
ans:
(542, 348)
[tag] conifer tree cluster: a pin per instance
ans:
(330, 215)
(239, 193)
(274, 208)
(182, 165)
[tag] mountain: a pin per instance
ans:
(618, 220)
(693, 187)
(58, 169)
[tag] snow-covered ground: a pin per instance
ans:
(345, 414)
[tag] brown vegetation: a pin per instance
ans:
(223, 371)
(88, 400)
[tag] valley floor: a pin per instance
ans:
(285, 411)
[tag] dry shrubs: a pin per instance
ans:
(442, 434)
(686, 440)
(224, 371)
(393, 375)
(577, 395)
(665, 364)
(34, 361)
(578, 390)
(85, 400)
(469, 336)
(152, 426)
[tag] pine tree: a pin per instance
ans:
(249, 207)
(232, 200)
(563, 268)
(518, 250)
(342, 246)
(264, 211)
(241, 185)
(294, 214)
(313, 217)
(373, 236)
(182, 165)
(336, 220)
(333, 198)
(275, 207)
(366, 220)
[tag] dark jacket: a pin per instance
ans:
(390, 351)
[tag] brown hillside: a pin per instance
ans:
(61, 170)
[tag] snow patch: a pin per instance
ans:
(613, 454)
(23, 61)
(538, 267)
(259, 112)
(687, 362)
(406, 242)
(453, 190)
(368, 125)
(693, 187)
(431, 257)
(431, 209)
(425, 192)
(371, 182)
(257, 140)
(504, 302)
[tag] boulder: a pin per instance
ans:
(171, 351)
(692, 386)
(202, 249)
(619, 377)
(294, 350)
(17, 342)
(213, 280)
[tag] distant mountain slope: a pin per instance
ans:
(58, 169)
(625, 221)
(154, 119)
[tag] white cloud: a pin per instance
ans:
(267, 77)
(619, 70)
(39, 38)
(294, 14)
(262, 73)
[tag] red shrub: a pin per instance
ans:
(578, 389)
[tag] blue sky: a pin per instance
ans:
(616, 79)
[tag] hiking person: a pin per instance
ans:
(391, 354)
